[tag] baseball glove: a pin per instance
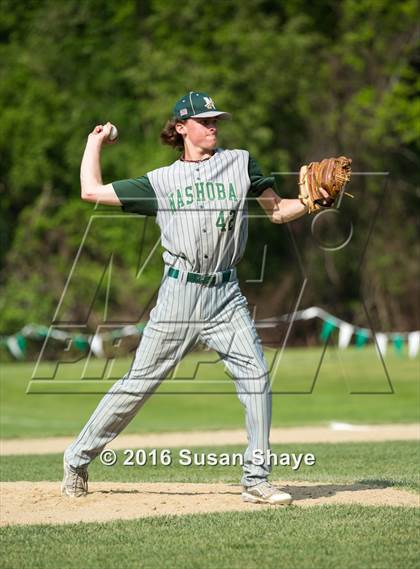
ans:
(331, 174)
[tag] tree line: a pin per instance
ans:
(302, 80)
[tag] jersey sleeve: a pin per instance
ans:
(136, 195)
(259, 183)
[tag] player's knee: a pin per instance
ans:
(259, 382)
(260, 371)
(264, 383)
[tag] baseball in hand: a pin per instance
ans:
(113, 133)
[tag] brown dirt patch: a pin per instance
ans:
(24, 503)
(332, 434)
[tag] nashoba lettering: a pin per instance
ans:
(201, 192)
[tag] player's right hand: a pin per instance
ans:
(101, 133)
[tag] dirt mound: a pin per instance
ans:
(40, 502)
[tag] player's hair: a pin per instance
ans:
(170, 136)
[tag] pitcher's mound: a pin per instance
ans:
(41, 503)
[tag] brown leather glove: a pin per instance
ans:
(331, 174)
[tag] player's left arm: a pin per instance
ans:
(280, 210)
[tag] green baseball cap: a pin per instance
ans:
(197, 105)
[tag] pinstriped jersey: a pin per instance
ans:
(200, 207)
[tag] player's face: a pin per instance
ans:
(202, 133)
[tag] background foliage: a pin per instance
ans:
(302, 80)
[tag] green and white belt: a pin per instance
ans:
(199, 278)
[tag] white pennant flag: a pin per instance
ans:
(96, 346)
(413, 343)
(381, 343)
(309, 313)
(130, 330)
(15, 349)
(345, 334)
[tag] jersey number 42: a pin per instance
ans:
(226, 220)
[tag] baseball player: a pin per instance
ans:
(200, 204)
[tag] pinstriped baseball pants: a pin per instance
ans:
(186, 313)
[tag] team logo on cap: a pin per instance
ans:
(209, 103)
(183, 112)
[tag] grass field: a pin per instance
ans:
(348, 537)
(321, 537)
(187, 405)
(387, 463)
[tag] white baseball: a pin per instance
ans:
(113, 134)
